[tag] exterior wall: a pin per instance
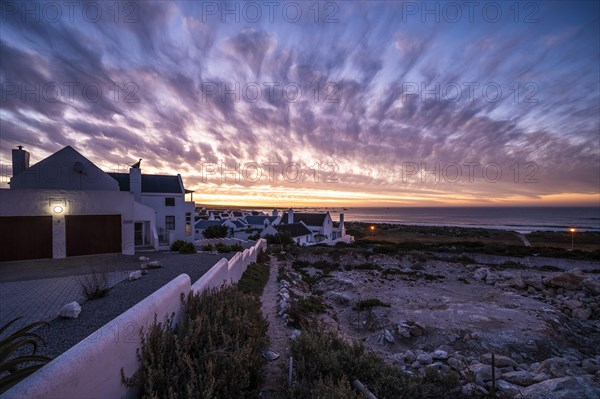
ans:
(156, 201)
(57, 172)
(143, 213)
(41, 202)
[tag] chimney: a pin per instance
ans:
(341, 220)
(135, 183)
(20, 160)
(275, 212)
(291, 216)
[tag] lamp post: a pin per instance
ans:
(572, 230)
(372, 230)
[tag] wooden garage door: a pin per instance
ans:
(93, 234)
(25, 237)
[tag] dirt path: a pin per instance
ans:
(524, 239)
(278, 335)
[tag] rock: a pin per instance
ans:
(472, 390)
(295, 334)
(424, 358)
(403, 330)
(70, 311)
(592, 285)
(389, 337)
(517, 282)
(563, 388)
(416, 330)
(154, 265)
(572, 304)
(285, 295)
(483, 372)
(500, 361)
(533, 281)
(409, 356)
(522, 378)
(507, 388)
(341, 298)
(143, 259)
(582, 314)
(481, 274)
(144, 272)
(135, 275)
(569, 280)
(454, 363)
(440, 355)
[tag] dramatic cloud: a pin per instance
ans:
(357, 103)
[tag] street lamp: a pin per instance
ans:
(372, 230)
(572, 230)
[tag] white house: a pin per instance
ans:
(299, 232)
(64, 205)
(322, 228)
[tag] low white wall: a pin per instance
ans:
(92, 368)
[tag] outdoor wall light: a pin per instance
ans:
(57, 205)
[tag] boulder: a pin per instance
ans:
(409, 356)
(517, 282)
(403, 330)
(388, 336)
(507, 388)
(135, 275)
(533, 281)
(295, 334)
(569, 280)
(416, 330)
(572, 304)
(522, 378)
(582, 314)
(440, 355)
(591, 285)
(144, 259)
(500, 361)
(70, 311)
(483, 372)
(563, 388)
(154, 265)
(424, 358)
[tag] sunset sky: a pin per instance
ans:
(303, 103)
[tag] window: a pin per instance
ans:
(169, 201)
(170, 222)
(188, 224)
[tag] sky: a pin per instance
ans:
(314, 103)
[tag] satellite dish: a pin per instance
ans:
(78, 167)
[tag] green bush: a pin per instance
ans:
(15, 363)
(312, 304)
(176, 246)
(279, 238)
(207, 247)
(223, 248)
(214, 352)
(321, 357)
(215, 232)
(187, 248)
(254, 279)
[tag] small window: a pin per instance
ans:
(169, 201)
(170, 222)
(188, 224)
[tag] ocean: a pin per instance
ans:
(522, 219)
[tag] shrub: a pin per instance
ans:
(320, 357)
(215, 232)
(223, 248)
(176, 246)
(94, 285)
(254, 279)
(187, 248)
(279, 238)
(207, 247)
(214, 352)
(369, 304)
(15, 365)
(385, 249)
(312, 304)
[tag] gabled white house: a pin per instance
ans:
(64, 205)
(322, 228)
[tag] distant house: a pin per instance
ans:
(299, 232)
(65, 205)
(259, 222)
(319, 223)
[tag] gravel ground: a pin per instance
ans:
(62, 334)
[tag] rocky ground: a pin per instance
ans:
(429, 315)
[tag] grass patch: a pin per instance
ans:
(311, 305)
(95, 286)
(370, 303)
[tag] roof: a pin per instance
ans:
(151, 183)
(309, 219)
(203, 224)
(256, 219)
(238, 223)
(294, 229)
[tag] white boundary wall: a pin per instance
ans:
(92, 368)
